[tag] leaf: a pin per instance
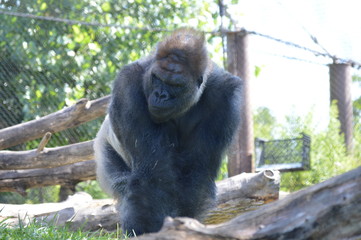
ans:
(38, 93)
(257, 71)
(106, 7)
(43, 6)
(76, 29)
(94, 46)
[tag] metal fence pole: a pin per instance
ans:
(340, 90)
(241, 152)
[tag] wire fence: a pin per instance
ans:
(48, 62)
(283, 155)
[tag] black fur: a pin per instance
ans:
(159, 154)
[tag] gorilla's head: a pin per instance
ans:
(176, 78)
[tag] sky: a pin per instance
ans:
(291, 87)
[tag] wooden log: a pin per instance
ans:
(20, 180)
(82, 111)
(329, 210)
(26, 212)
(249, 190)
(47, 158)
(242, 193)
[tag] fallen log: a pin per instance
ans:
(20, 180)
(329, 210)
(26, 212)
(241, 193)
(82, 111)
(47, 158)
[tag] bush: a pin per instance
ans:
(93, 188)
(328, 152)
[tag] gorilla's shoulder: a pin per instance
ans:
(221, 82)
(137, 67)
(131, 75)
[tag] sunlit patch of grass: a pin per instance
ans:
(38, 231)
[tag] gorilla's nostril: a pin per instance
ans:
(162, 95)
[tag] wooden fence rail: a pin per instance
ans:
(47, 158)
(83, 111)
(68, 175)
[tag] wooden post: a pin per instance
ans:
(242, 149)
(340, 90)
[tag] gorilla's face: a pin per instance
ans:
(171, 89)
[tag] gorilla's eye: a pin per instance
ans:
(200, 81)
(155, 79)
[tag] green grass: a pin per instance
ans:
(37, 231)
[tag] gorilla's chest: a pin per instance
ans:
(180, 133)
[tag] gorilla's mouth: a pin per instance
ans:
(160, 113)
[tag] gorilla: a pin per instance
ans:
(171, 117)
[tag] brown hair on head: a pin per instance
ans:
(185, 46)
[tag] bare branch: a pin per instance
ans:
(43, 142)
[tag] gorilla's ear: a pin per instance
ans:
(185, 46)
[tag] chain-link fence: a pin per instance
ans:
(55, 53)
(283, 155)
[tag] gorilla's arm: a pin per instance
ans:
(112, 170)
(145, 145)
(150, 190)
(219, 108)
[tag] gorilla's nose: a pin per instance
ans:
(161, 94)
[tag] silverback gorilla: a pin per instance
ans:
(171, 117)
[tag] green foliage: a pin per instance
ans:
(265, 124)
(43, 194)
(51, 194)
(33, 196)
(48, 65)
(93, 188)
(223, 171)
(10, 197)
(257, 70)
(51, 64)
(45, 231)
(328, 152)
